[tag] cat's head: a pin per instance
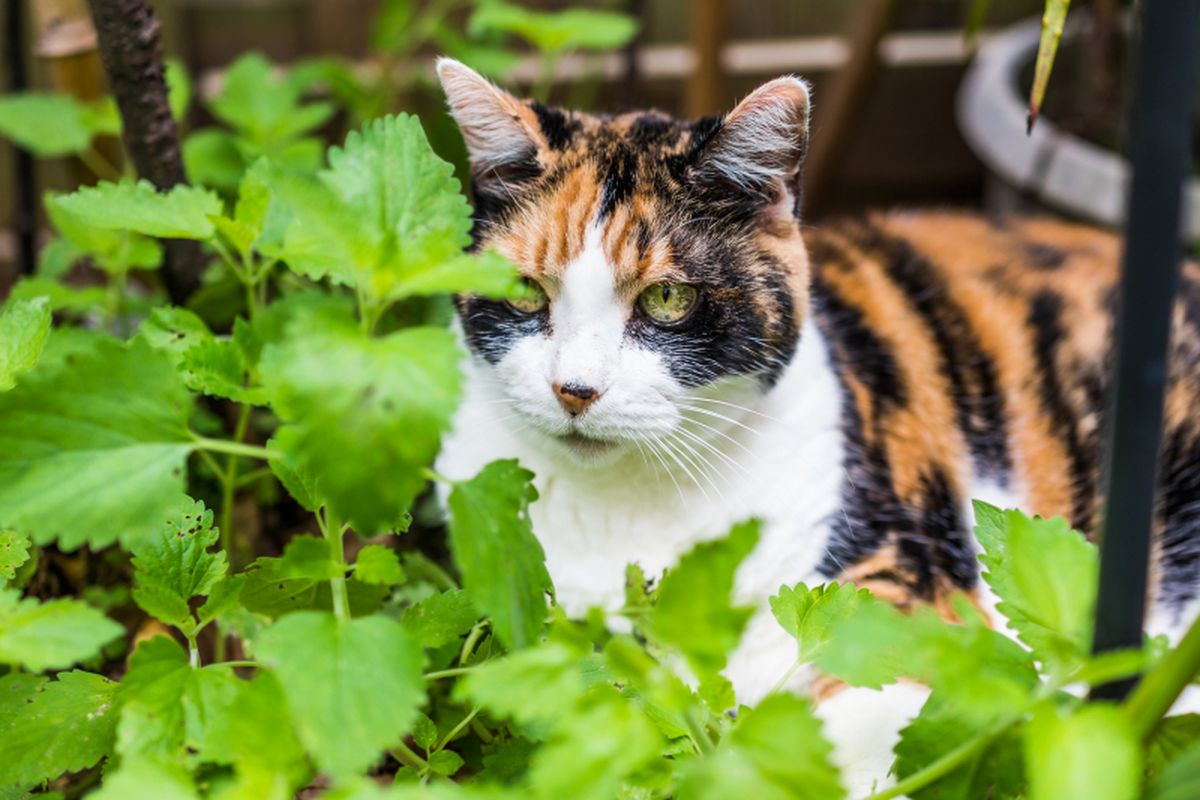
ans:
(662, 257)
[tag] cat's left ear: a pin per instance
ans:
(760, 145)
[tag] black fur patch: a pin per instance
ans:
(620, 179)
(556, 126)
(493, 327)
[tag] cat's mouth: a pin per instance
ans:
(586, 446)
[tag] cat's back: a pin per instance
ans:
(978, 349)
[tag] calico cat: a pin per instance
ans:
(688, 355)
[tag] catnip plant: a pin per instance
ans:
(347, 661)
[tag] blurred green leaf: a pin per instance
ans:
(50, 635)
(24, 328)
(1093, 753)
(556, 31)
(182, 213)
(45, 124)
(1053, 19)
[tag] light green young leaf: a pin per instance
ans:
(51, 635)
(264, 105)
(250, 213)
(175, 565)
(694, 612)
(557, 31)
(179, 88)
(62, 298)
(51, 727)
(440, 618)
(809, 614)
(94, 447)
(386, 400)
(353, 688)
(114, 251)
(154, 779)
(56, 258)
(377, 563)
(260, 742)
(45, 124)
(775, 752)
(532, 686)
(489, 525)
(308, 557)
(211, 158)
(387, 217)
(182, 213)
(170, 708)
(14, 551)
(1046, 576)
(996, 772)
(1092, 753)
(24, 327)
(210, 365)
(425, 732)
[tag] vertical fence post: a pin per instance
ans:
(25, 194)
(1160, 141)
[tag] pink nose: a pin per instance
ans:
(575, 397)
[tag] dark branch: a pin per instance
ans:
(127, 31)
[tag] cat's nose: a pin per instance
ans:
(575, 397)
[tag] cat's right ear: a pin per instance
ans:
(502, 134)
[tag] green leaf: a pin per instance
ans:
(531, 686)
(1092, 753)
(170, 707)
(445, 762)
(386, 400)
(1053, 19)
(266, 591)
(555, 32)
(425, 732)
(179, 88)
(996, 772)
(377, 563)
(260, 742)
(211, 158)
(388, 218)
(14, 551)
(51, 635)
(809, 614)
(182, 213)
(45, 124)
(176, 565)
(263, 105)
(94, 447)
(774, 751)
(208, 364)
(61, 297)
(441, 618)
(114, 251)
(489, 526)
(1046, 576)
(250, 213)
(1170, 738)
(308, 557)
(52, 727)
(1178, 780)
(147, 779)
(353, 687)
(694, 612)
(24, 327)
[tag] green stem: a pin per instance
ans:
(193, 651)
(405, 755)
(235, 448)
(456, 730)
(472, 639)
(944, 765)
(332, 528)
(787, 676)
(448, 673)
(545, 79)
(100, 166)
(432, 475)
(1161, 687)
(229, 482)
(252, 476)
(698, 733)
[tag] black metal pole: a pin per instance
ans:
(25, 194)
(1160, 140)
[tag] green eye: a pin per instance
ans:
(668, 303)
(531, 299)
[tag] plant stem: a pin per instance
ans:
(229, 482)
(698, 733)
(432, 475)
(100, 166)
(193, 651)
(787, 676)
(448, 673)
(457, 729)
(405, 755)
(1161, 687)
(545, 78)
(332, 528)
(472, 640)
(944, 765)
(235, 448)
(252, 476)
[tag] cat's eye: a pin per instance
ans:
(531, 298)
(667, 303)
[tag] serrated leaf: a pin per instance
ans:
(1045, 576)
(441, 618)
(170, 708)
(175, 565)
(14, 551)
(114, 251)
(774, 751)
(997, 771)
(51, 635)
(809, 614)
(65, 725)
(24, 327)
(353, 687)
(531, 686)
(264, 105)
(1092, 753)
(490, 526)
(387, 217)
(94, 447)
(265, 591)
(45, 124)
(386, 400)
(308, 557)
(694, 612)
(181, 213)
(424, 732)
(377, 563)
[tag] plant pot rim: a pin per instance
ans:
(1061, 169)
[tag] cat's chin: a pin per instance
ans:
(587, 451)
